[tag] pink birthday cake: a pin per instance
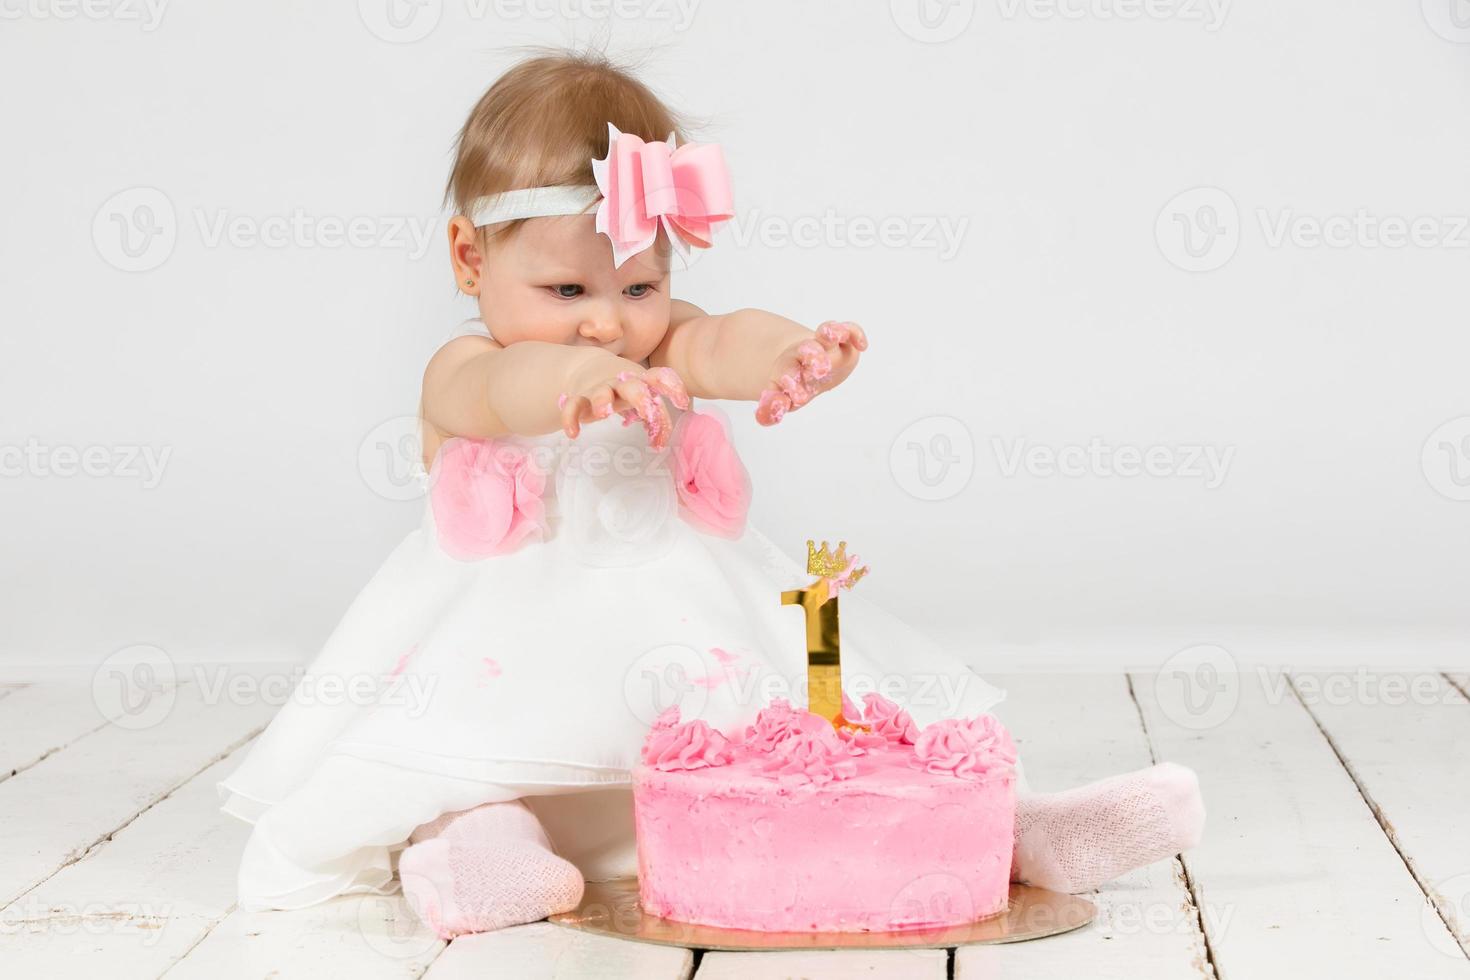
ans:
(794, 825)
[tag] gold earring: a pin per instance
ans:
(469, 282)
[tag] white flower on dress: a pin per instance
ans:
(615, 496)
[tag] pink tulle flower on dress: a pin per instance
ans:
(968, 748)
(713, 486)
(486, 498)
(672, 744)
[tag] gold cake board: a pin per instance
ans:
(610, 908)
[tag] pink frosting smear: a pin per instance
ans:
(794, 826)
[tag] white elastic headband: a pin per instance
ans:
(533, 202)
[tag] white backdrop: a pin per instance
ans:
(1166, 303)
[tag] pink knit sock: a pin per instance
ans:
(485, 868)
(1076, 840)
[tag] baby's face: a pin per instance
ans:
(553, 280)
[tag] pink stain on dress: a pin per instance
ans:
(724, 656)
(403, 661)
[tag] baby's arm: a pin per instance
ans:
(474, 387)
(752, 355)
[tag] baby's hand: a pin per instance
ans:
(634, 395)
(809, 367)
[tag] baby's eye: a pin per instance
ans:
(568, 291)
(639, 290)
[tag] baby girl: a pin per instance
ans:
(553, 597)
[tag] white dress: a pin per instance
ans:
(455, 680)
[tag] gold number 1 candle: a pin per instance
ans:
(823, 638)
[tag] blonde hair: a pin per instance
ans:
(542, 123)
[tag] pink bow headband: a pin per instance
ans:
(640, 186)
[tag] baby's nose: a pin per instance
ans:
(603, 329)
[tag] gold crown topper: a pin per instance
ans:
(827, 565)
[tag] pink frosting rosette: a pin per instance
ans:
(798, 747)
(772, 723)
(967, 748)
(672, 744)
(486, 497)
(883, 716)
(811, 754)
(713, 486)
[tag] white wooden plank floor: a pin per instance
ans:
(1336, 845)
